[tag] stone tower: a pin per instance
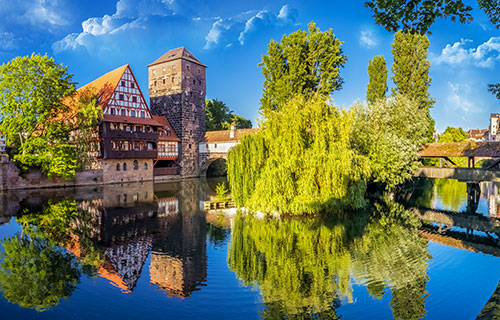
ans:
(177, 91)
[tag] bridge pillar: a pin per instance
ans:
(473, 196)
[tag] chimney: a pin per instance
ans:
(232, 131)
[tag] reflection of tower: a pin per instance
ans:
(491, 193)
(178, 260)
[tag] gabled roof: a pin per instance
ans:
(106, 84)
(177, 53)
(164, 122)
(224, 135)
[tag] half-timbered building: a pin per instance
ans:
(127, 143)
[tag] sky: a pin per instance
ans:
(94, 37)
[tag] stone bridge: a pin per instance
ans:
(217, 144)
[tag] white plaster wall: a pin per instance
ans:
(217, 147)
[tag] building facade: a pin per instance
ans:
(493, 129)
(177, 88)
(3, 143)
(126, 144)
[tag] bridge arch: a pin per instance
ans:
(213, 158)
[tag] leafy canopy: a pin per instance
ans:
(303, 62)
(417, 16)
(36, 118)
(453, 135)
(377, 85)
(220, 117)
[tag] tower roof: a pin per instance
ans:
(177, 53)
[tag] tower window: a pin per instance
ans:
(132, 85)
(136, 165)
(134, 99)
(173, 67)
(121, 97)
(124, 166)
(155, 83)
(187, 67)
(146, 168)
(117, 167)
(173, 79)
(194, 81)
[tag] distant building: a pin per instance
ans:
(3, 143)
(477, 135)
(493, 129)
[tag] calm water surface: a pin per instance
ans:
(141, 251)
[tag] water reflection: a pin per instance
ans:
(303, 268)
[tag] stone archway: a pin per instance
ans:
(213, 157)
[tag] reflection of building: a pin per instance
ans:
(490, 192)
(3, 143)
(477, 135)
(178, 260)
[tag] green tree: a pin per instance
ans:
(417, 16)
(220, 117)
(35, 118)
(36, 272)
(304, 62)
(495, 89)
(390, 132)
(411, 71)
(377, 85)
(301, 162)
(453, 135)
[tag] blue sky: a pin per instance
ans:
(94, 37)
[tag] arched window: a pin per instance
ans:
(145, 166)
(117, 167)
(136, 165)
(124, 166)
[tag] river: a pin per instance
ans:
(137, 251)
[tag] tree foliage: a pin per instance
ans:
(301, 162)
(390, 133)
(35, 118)
(302, 63)
(377, 85)
(495, 89)
(220, 117)
(417, 16)
(453, 135)
(411, 72)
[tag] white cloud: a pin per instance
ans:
(459, 98)
(45, 12)
(484, 56)
(226, 31)
(129, 15)
(367, 39)
(7, 40)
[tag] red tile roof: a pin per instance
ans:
(164, 122)
(177, 53)
(224, 135)
(106, 84)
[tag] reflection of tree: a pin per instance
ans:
(36, 272)
(304, 267)
(452, 193)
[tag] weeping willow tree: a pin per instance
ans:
(301, 162)
(305, 267)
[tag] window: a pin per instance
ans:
(121, 97)
(187, 67)
(114, 146)
(154, 71)
(132, 85)
(143, 114)
(173, 67)
(146, 168)
(124, 166)
(190, 146)
(132, 113)
(137, 146)
(173, 79)
(163, 81)
(125, 146)
(122, 112)
(155, 83)
(113, 111)
(123, 83)
(117, 167)
(163, 69)
(215, 145)
(150, 146)
(134, 99)
(194, 81)
(136, 165)
(118, 198)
